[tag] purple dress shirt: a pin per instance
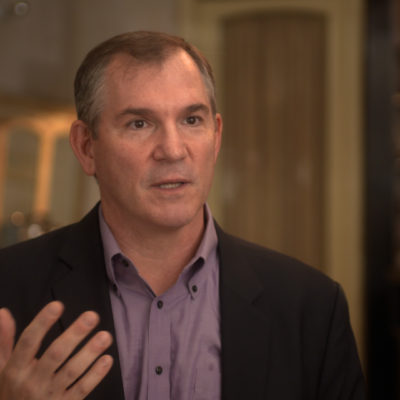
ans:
(169, 345)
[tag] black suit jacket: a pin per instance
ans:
(284, 326)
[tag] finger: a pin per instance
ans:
(7, 336)
(28, 344)
(75, 367)
(91, 379)
(64, 345)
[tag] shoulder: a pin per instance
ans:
(37, 260)
(281, 278)
(36, 245)
(27, 268)
(34, 252)
(48, 245)
(265, 261)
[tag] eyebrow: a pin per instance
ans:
(148, 111)
(134, 111)
(198, 107)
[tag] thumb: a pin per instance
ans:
(7, 336)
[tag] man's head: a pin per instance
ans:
(157, 135)
(144, 47)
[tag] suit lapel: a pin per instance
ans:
(82, 286)
(244, 329)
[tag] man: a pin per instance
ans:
(194, 313)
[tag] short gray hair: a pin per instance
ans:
(144, 47)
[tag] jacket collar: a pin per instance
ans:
(84, 286)
(244, 328)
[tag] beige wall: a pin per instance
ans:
(40, 51)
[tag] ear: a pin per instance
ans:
(218, 135)
(81, 140)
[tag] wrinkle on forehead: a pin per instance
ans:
(124, 68)
(128, 66)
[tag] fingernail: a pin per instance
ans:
(54, 308)
(2, 311)
(89, 319)
(106, 361)
(102, 338)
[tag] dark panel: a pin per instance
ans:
(381, 344)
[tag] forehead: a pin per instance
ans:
(176, 75)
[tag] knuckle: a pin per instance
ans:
(9, 374)
(81, 389)
(26, 340)
(28, 389)
(56, 353)
(39, 323)
(70, 373)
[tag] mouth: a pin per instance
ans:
(171, 185)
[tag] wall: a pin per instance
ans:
(41, 51)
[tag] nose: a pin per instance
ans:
(170, 144)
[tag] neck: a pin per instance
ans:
(159, 255)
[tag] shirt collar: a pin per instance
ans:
(110, 246)
(197, 267)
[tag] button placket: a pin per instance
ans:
(159, 351)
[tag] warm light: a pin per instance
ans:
(17, 218)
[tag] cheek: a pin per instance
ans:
(117, 156)
(217, 146)
(207, 164)
(213, 152)
(111, 165)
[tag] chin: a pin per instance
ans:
(179, 218)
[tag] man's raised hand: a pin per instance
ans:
(23, 376)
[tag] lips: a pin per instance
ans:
(169, 184)
(170, 178)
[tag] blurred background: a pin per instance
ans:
(310, 166)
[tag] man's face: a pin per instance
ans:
(157, 143)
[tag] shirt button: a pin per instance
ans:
(194, 288)
(160, 304)
(159, 370)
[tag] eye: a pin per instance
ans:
(193, 120)
(138, 124)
